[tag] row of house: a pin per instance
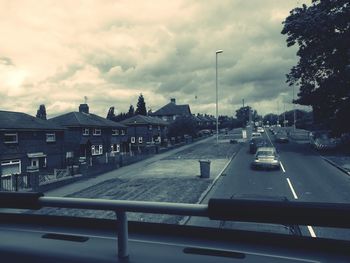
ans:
(27, 141)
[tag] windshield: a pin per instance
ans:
(159, 102)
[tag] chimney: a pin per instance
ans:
(84, 108)
(173, 100)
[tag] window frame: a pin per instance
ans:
(51, 134)
(86, 133)
(15, 134)
(115, 132)
(133, 139)
(11, 162)
(95, 133)
(140, 139)
(96, 149)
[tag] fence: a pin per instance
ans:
(15, 182)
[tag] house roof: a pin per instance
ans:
(81, 119)
(141, 119)
(173, 109)
(10, 120)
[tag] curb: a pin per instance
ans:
(185, 220)
(336, 165)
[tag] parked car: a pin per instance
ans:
(255, 143)
(281, 137)
(266, 157)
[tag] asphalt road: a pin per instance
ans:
(304, 176)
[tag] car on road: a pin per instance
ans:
(260, 129)
(266, 157)
(256, 135)
(281, 137)
(255, 143)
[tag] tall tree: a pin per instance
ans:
(41, 112)
(322, 32)
(131, 111)
(242, 114)
(141, 106)
(111, 114)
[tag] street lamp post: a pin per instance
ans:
(294, 127)
(217, 107)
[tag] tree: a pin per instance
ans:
(110, 114)
(322, 32)
(242, 114)
(131, 111)
(41, 112)
(270, 118)
(141, 106)
(181, 126)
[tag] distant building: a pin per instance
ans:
(145, 130)
(27, 141)
(171, 111)
(89, 135)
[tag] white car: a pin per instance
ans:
(260, 129)
(266, 157)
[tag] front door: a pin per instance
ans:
(35, 162)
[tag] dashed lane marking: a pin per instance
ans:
(292, 189)
(282, 167)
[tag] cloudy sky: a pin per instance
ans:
(57, 52)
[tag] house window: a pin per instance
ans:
(132, 139)
(97, 132)
(140, 139)
(10, 167)
(158, 127)
(96, 149)
(123, 132)
(115, 132)
(150, 127)
(174, 117)
(164, 118)
(50, 137)
(10, 138)
(86, 131)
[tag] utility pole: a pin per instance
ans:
(243, 102)
(284, 114)
(278, 115)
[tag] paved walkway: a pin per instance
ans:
(156, 166)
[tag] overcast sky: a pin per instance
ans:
(57, 52)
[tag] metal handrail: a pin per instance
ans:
(279, 212)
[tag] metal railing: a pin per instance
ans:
(278, 212)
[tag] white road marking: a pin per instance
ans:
(282, 167)
(267, 133)
(312, 232)
(292, 189)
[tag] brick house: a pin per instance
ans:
(145, 131)
(27, 141)
(171, 111)
(88, 135)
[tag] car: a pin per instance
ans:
(260, 129)
(255, 143)
(256, 135)
(266, 157)
(281, 137)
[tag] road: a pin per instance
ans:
(304, 176)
